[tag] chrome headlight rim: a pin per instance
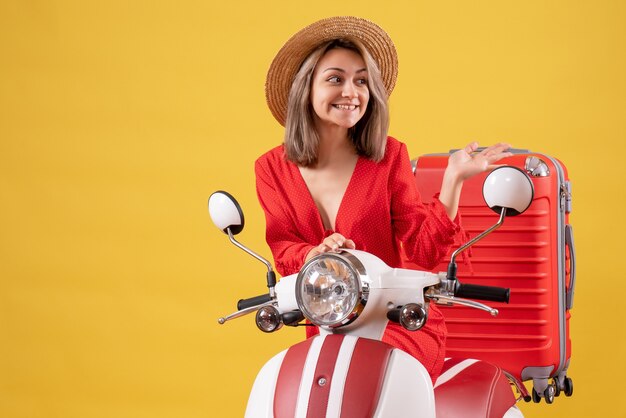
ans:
(357, 270)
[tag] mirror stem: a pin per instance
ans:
(271, 276)
(452, 266)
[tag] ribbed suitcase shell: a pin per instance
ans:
(530, 254)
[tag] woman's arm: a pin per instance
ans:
(425, 230)
(283, 233)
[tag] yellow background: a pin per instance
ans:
(118, 119)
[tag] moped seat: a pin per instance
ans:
(472, 388)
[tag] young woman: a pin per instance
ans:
(339, 181)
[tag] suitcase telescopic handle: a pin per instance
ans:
(476, 291)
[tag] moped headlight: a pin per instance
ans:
(329, 290)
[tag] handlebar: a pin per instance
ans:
(476, 291)
(253, 301)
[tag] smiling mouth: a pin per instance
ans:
(345, 107)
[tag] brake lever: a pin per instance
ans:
(450, 300)
(244, 312)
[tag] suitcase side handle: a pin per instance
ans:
(569, 244)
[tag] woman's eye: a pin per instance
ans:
(362, 81)
(334, 79)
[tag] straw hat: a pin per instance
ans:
(288, 60)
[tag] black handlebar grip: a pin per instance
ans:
(292, 318)
(257, 300)
(476, 291)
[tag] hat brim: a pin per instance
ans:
(290, 57)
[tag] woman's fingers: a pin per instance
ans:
(334, 242)
(497, 148)
(331, 243)
(471, 147)
(495, 152)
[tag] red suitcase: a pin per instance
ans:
(533, 254)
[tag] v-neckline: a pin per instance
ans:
(333, 228)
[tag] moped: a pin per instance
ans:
(347, 371)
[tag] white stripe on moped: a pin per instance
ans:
(453, 371)
(308, 374)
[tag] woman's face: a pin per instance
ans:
(339, 92)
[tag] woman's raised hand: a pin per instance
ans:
(331, 243)
(468, 162)
(464, 164)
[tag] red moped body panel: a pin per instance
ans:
(349, 377)
(341, 376)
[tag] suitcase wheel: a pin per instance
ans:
(569, 386)
(548, 394)
(563, 384)
(536, 397)
(557, 386)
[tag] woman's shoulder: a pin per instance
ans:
(393, 144)
(393, 149)
(273, 156)
(274, 163)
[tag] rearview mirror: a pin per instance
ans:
(225, 212)
(508, 188)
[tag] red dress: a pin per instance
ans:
(380, 209)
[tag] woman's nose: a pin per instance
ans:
(349, 90)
